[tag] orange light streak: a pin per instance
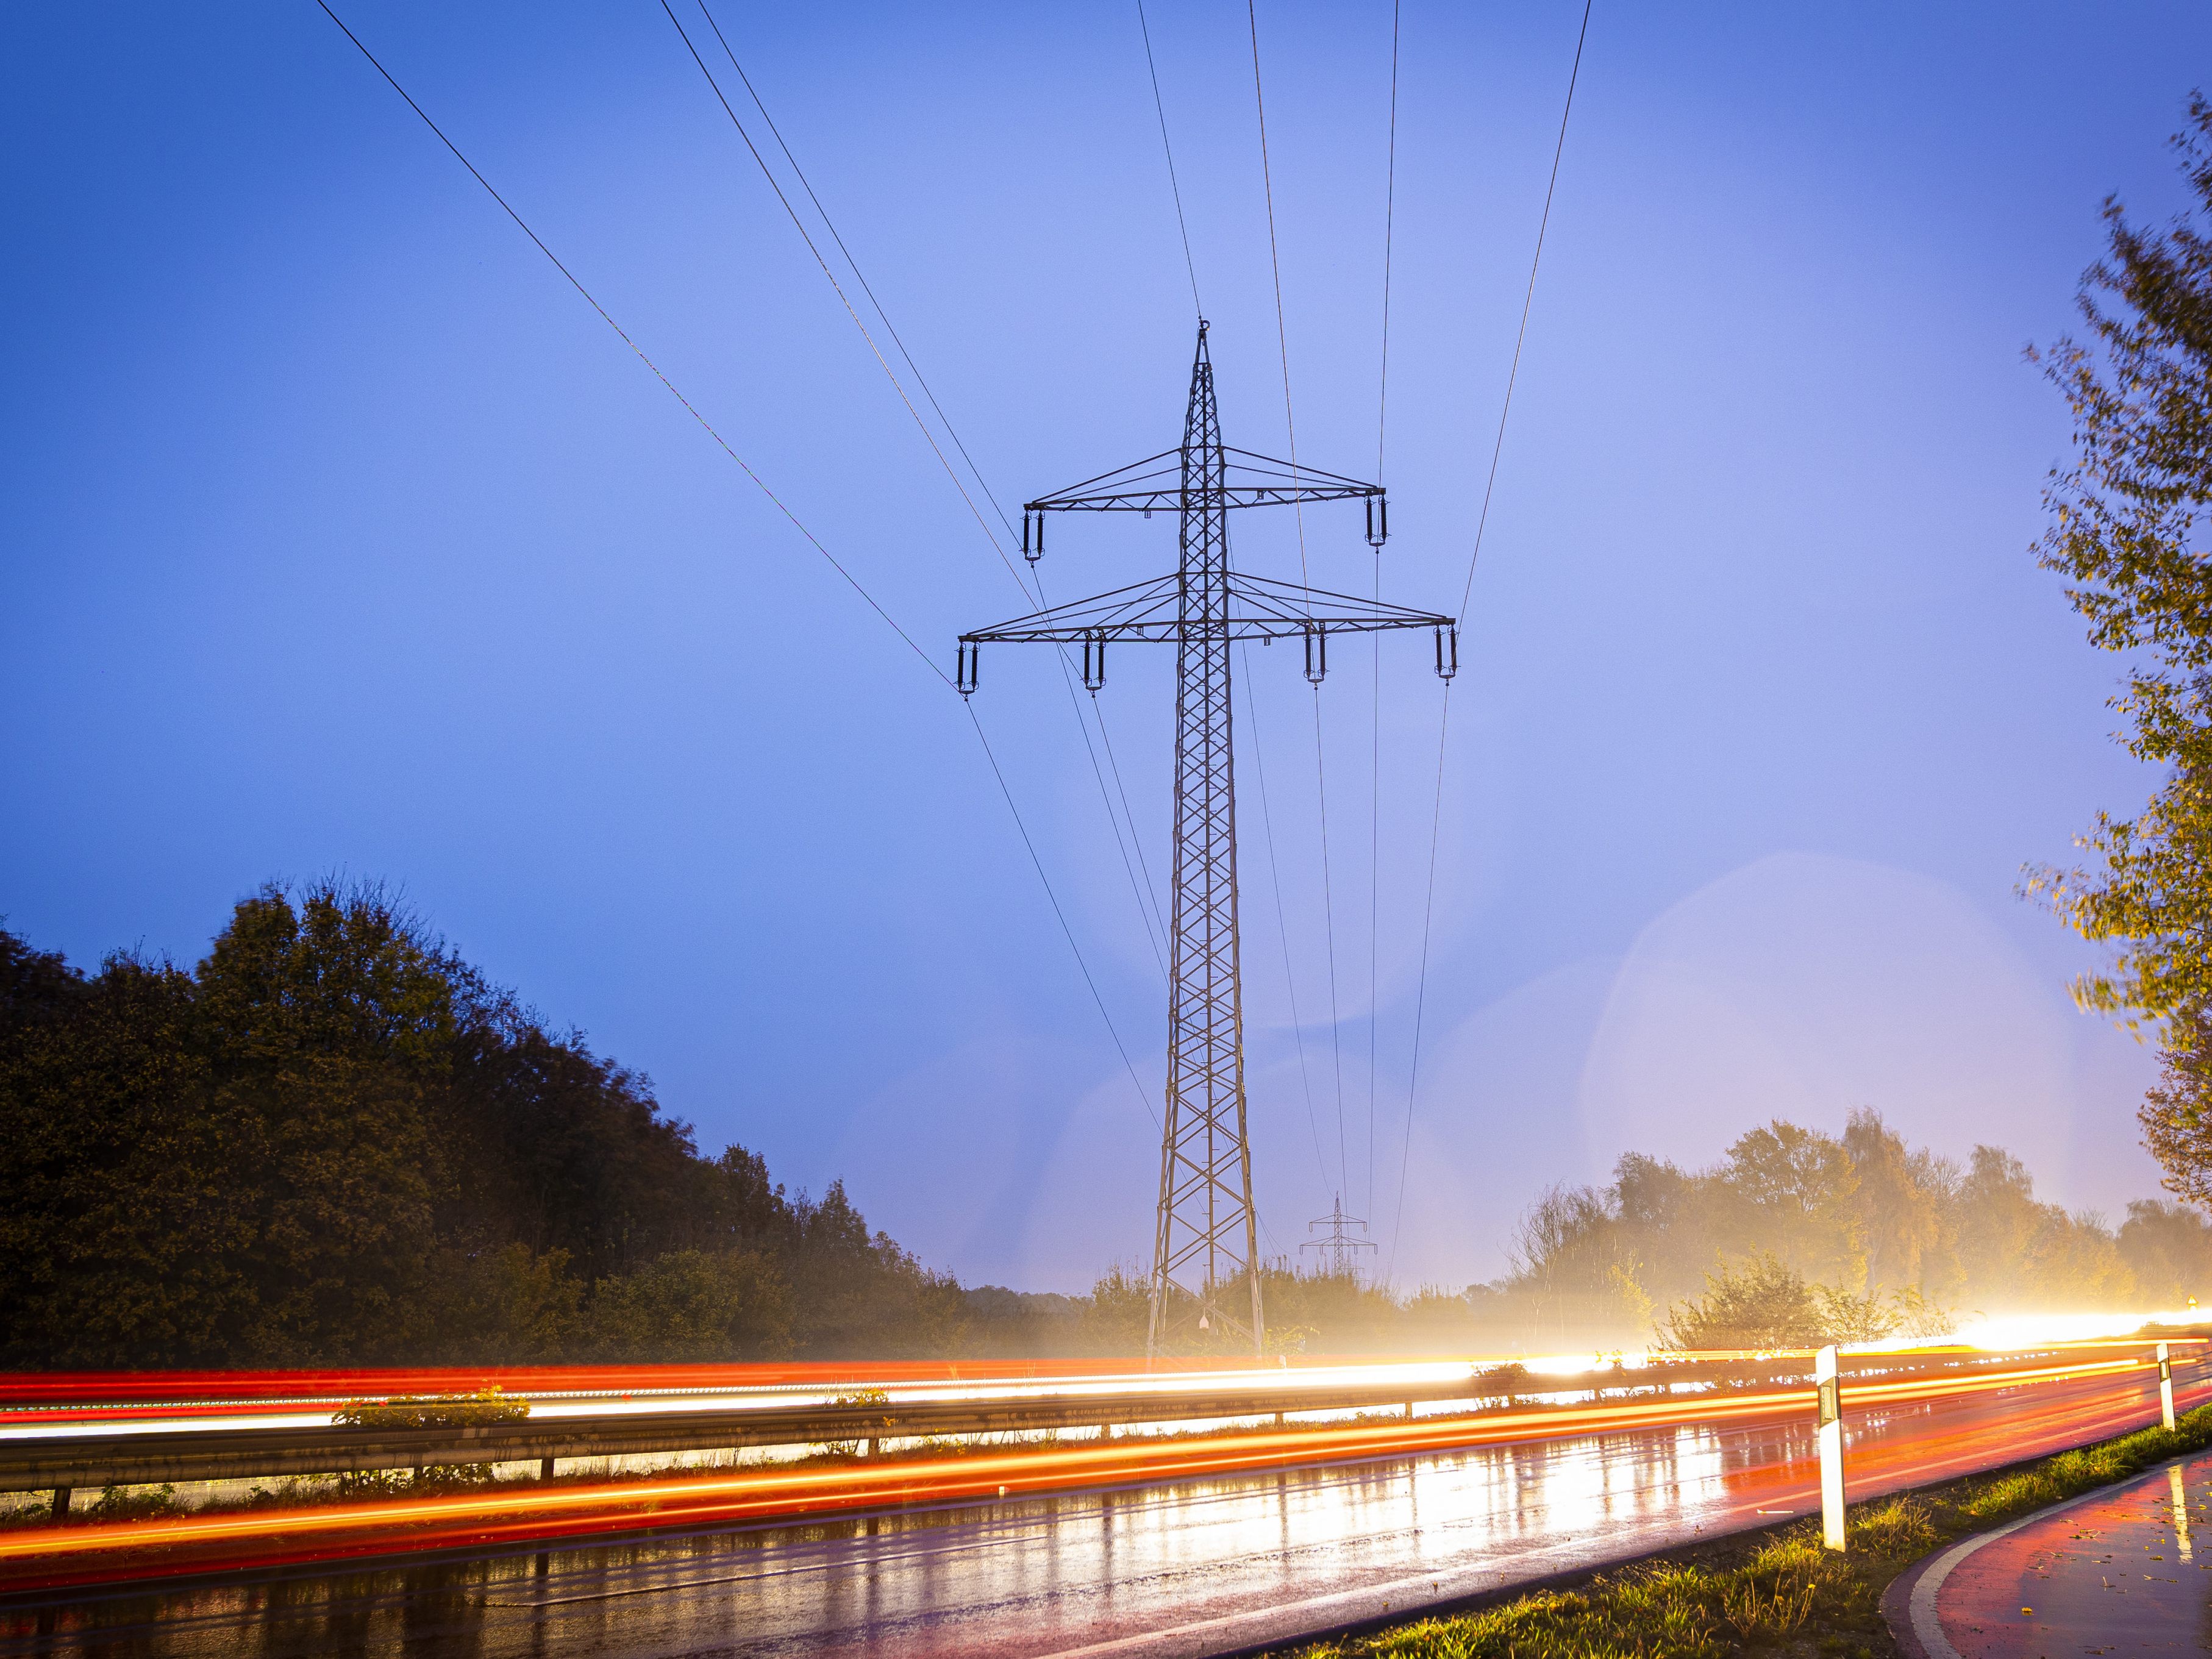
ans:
(480, 1518)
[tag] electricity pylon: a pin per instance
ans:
(1343, 1248)
(1205, 1251)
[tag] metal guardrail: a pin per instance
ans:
(141, 1456)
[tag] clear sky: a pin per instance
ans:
(340, 536)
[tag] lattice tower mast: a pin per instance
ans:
(1339, 1245)
(1205, 1248)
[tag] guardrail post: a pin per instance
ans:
(1831, 1436)
(545, 1468)
(2165, 1387)
(61, 1503)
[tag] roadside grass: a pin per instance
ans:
(1776, 1591)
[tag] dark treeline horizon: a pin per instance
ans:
(331, 1140)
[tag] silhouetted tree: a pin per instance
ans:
(2126, 531)
(333, 1141)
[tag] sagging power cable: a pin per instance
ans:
(790, 209)
(1475, 553)
(1298, 513)
(1160, 108)
(1375, 728)
(1282, 922)
(692, 410)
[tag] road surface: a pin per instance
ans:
(1204, 1566)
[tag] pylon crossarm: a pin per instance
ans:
(1156, 484)
(1259, 608)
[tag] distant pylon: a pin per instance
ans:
(1343, 1248)
(1206, 1246)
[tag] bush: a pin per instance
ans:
(692, 1306)
(436, 1411)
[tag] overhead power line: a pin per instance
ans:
(1481, 523)
(1374, 722)
(1291, 425)
(723, 444)
(1282, 922)
(799, 225)
(830, 224)
(952, 432)
(636, 350)
(1160, 107)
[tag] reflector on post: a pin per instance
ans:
(1830, 1437)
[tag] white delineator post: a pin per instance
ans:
(2165, 1387)
(1830, 1435)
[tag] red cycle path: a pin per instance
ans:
(2123, 1570)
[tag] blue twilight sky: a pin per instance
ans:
(340, 535)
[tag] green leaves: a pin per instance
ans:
(2128, 530)
(333, 1142)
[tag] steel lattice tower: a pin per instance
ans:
(1206, 1245)
(1340, 1245)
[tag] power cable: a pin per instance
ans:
(1328, 920)
(952, 432)
(1282, 923)
(1389, 227)
(1106, 738)
(636, 350)
(766, 173)
(1528, 300)
(1275, 262)
(723, 444)
(1161, 108)
(1149, 919)
(1375, 731)
(1374, 887)
(1297, 511)
(830, 224)
(1136, 891)
(1481, 523)
(1060, 915)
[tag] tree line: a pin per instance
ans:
(1795, 1235)
(333, 1141)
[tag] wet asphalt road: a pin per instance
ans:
(1202, 1567)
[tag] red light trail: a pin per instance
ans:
(96, 1552)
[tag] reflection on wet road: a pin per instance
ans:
(1198, 1567)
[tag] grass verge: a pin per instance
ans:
(1770, 1592)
